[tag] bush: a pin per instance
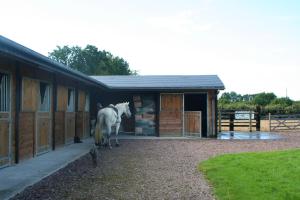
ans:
(266, 102)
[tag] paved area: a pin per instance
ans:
(15, 178)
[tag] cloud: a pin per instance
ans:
(184, 22)
(287, 18)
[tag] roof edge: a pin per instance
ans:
(14, 49)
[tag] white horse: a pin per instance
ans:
(108, 117)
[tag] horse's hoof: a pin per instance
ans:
(117, 144)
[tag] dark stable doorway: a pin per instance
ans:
(197, 102)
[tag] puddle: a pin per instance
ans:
(235, 135)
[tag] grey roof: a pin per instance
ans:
(162, 82)
(17, 51)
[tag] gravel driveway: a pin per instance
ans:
(146, 169)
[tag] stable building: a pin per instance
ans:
(167, 105)
(45, 105)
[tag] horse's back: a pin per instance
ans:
(108, 115)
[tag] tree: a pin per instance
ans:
(282, 101)
(266, 102)
(263, 99)
(91, 61)
(230, 97)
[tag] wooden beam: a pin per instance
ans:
(157, 109)
(54, 108)
(76, 137)
(18, 89)
(216, 113)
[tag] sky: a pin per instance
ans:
(252, 45)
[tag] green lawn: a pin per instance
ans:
(268, 175)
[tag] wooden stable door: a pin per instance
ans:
(192, 123)
(43, 119)
(5, 119)
(4, 139)
(69, 127)
(43, 132)
(171, 111)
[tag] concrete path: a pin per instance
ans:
(16, 178)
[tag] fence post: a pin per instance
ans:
(231, 121)
(250, 118)
(257, 117)
(270, 126)
(220, 121)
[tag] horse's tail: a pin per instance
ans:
(98, 130)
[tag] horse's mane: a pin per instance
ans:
(121, 103)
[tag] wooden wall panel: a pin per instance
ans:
(83, 124)
(30, 95)
(27, 132)
(210, 114)
(70, 127)
(62, 98)
(80, 124)
(4, 139)
(31, 71)
(81, 100)
(171, 102)
(59, 128)
(170, 125)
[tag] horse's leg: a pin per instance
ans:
(94, 154)
(101, 133)
(97, 133)
(108, 136)
(117, 132)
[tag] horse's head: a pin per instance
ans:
(127, 110)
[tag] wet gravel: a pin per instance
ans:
(146, 169)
